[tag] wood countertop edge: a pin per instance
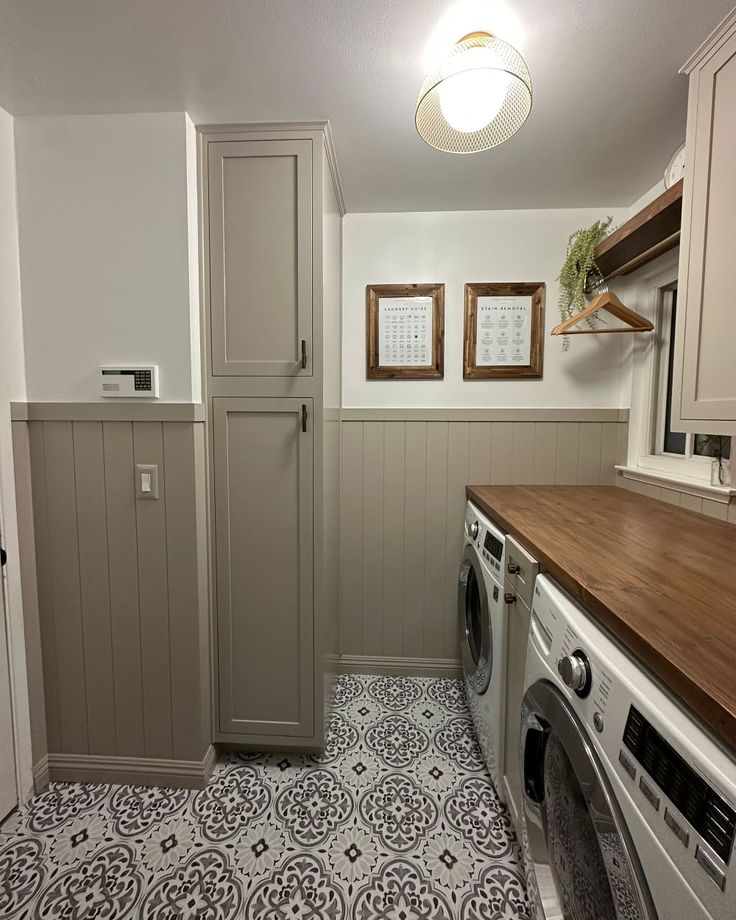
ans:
(718, 721)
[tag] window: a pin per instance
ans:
(666, 441)
(671, 442)
(656, 449)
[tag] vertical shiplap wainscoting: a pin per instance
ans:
(122, 591)
(720, 510)
(404, 474)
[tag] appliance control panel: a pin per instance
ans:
(129, 381)
(712, 818)
(487, 539)
(493, 550)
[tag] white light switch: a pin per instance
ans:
(146, 481)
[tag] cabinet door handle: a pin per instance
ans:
(304, 354)
(304, 417)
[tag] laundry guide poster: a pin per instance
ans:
(405, 331)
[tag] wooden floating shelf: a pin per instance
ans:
(648, 234)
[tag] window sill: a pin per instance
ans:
(678, 483)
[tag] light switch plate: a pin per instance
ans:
(142, 471)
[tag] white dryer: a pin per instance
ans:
(482, 628)
(628, 807)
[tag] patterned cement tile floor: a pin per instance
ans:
(397, 820)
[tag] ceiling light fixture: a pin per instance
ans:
(477, 98)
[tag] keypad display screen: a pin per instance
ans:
(493, 545)
(708, 812)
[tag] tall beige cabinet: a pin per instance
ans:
(705, 370)
(271, 222)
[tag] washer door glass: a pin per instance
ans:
(581, 859)
(476, 642)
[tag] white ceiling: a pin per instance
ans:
(609, 106)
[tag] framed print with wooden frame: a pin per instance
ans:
(405, 331)
(504, 331)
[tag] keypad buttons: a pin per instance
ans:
(142, 380)
(677, 829)
(708, 864)
(649, 794)
(627, 764)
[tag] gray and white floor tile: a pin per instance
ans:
(396, 819)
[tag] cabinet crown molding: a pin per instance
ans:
(721, 33)
(288, 128)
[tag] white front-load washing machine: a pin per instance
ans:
(628, 807)
(482, 629)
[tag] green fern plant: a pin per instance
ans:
(579, 260)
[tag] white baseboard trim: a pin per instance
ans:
(409, 667)
(41, 774)
(142, 771)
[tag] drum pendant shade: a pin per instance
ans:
(477, 98)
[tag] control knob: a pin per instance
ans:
(575, 672)
(473, 530)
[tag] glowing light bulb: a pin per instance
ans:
(471, 98)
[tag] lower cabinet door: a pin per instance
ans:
(516, 640)
(264, 543)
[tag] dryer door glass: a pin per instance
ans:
(475, 624)
(580, 856)
(474, 617)
(575, 857)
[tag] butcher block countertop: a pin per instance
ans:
(662, 580)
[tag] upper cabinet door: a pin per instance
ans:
(705, 368)
(260, 257)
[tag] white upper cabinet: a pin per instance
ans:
(705, 357)
(259, 223)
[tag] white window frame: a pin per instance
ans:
(648, 291)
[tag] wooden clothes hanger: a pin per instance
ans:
(609, 302)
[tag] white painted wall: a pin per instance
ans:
(647, 198)
(106, 214)
(12, 387)
(459, 246)
(629, 289)
(195, 333)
